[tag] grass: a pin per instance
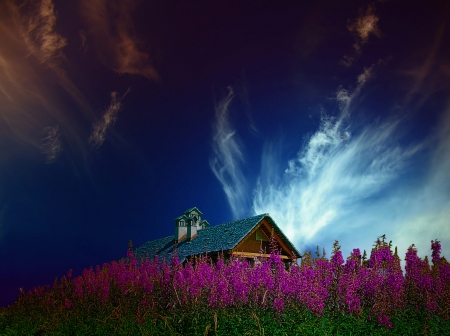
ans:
(122, 320)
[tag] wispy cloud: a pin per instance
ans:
(362, 27)
(353, 181)
(51, 143)
(227, 161)
(427, 206)
(31, 56)
(32, 64)
(41, 35)
(421, 76)
(110, 27)
(107, 120)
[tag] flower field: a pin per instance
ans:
(357, 296)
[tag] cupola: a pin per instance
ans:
(187, 225)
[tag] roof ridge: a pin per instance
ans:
(238, 220)
(211, 227)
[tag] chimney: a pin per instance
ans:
(180, 229)
(191, 228)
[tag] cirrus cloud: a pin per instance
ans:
(354, 181)
(111, 29)
(107, 120)
(226, 163)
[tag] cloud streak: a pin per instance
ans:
(108, 119)
(227, 161)
(41, 36)
(110, 27)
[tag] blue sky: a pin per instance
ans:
(116, 117)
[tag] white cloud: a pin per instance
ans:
(226, 163)
(325, 190)
(348, 182)
(342, 187)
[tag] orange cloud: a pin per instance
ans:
(41, 33)
(110, 27)
(364, 26)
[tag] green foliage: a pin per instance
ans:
(121, 320)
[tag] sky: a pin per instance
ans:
(117, 116)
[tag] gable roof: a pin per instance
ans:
(217, 238)
(188, 211)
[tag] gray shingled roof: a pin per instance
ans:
(218, 238)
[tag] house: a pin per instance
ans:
(244, 238)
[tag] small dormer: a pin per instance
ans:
(204, 224)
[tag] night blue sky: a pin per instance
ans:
(117, 116)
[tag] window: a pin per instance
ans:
(260, 235)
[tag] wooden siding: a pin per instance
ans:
(251, 245)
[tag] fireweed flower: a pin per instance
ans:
(384, 285)
(438, 300)
(418, 280)
(238, 280)
(377, 284)
(278, 305)
(350, 284)
(336, 259)
(436, 254)
(310, 290)
(334, 300)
